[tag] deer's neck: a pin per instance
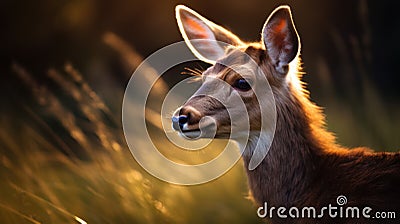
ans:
(285, 174)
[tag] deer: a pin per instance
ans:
(304, 165)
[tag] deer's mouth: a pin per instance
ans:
(191, 134)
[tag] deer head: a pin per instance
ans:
(244, 77)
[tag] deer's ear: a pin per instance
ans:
(204, 38)
(280, 38)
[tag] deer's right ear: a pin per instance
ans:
(205, 39)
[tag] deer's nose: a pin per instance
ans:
(182, 119)
(179, 121)
(186, 115)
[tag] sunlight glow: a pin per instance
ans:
(80, 220)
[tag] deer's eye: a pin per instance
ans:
(242, 85)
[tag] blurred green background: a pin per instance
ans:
(64, 67)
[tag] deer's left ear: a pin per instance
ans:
(280, 38)
(205, 39)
